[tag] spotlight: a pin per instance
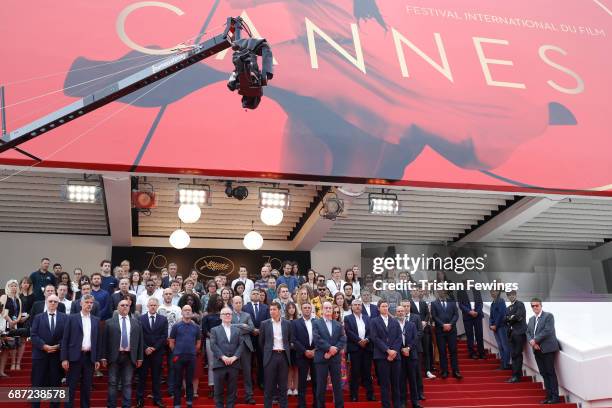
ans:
(332, 207)
(81, 192)
(274, 198)
(239, 193)
(198, 194)
(383, 204)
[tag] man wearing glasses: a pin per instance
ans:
(46, 333)
(318, 301)
(517, 328)
(143, 300)
(185, 343)
(543, 340)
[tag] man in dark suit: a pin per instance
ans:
(303, 344)
(172, 272)
(76, 306)
(329, 339)
(122, 352)
(244, 323)
(359, 348)
(419, 307)
(259, 312)
(444, 313)
(275, 340)
(40, 306)
(416, 320)
(367, 308)
(227, 345)
(155, 333)
(543, 340)
(386, 337)
(80, 351)
(409, 357)
(516, 321)
(470, 304)
(498, 327)
(46, 333)
(122, 293)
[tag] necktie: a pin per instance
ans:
(535, 328)
(124, 338)
(152, 321)
(256, 310)
(52, 322)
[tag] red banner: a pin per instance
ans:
(472, 94)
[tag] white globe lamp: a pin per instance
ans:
(189, 213)
(179, 239)
(271, 216)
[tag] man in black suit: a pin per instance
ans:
(329, 339)
(419, 307)
(122, 352)
(40, 306)
(409, 356)
(367, 308)
(227, 346)
(359, 348)
(172, 272)
(155, 333)
(46, 333)
(444, 313)
(543, 340)
(76, 306)
(386, 338)
(259, 312)
(122, 293)
(416, 320)
(80, 351)
(470, 304)
(275, 340)
(516, 320)
(244, 323)
(303, 344)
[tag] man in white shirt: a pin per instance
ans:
(248, 283)
(143, 300)
(62, 291)
(359, 348)
(172, 313)
(274, 340)
(303, 342)
(336, 284)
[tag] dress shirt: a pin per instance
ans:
(328, 323)
(127, 328)
(67, 303)
(54, 319)
(308, 323)
(417, 305)
(228, 331)
(535, 327)
(366, 307)
(277, 329)
(154, 316)
(385, 320)
(361, 329)
(86, 321)
(402, 323)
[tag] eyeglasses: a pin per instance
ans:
(535, 306)
(124, 305)
(52, 301)
(225, 314)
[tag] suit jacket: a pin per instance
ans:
(301, 341)
(544, 334)
(40, 333)
(441, 315)
(498, 313)
(244, 324)
(72, 339)
(264, 313)
(373, 311)
(39, 307)
(116, 298)
(352, 333)
(466, 306)
(324, 341)
(220, 346)
(416, 320)
(385, 338)
(422, 311)
(411, 339)
(157, 335)
(516, 317)
(76, 308)
(112, 340)
(266, 339)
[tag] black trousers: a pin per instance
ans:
(184, 366)
(419, 375)
(47, 372)
(306, 365)
(226, 377)
(473, 330)
(80, 371)
(331, 366)
(447, 339)
(152, 363)
(276, 374)
(389, 378)
(361, 372)
(517, 343)
(546, 366)
(408, 374)
(258, 353)
(427, 348)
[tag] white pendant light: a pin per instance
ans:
(179, 239)
(253, 240)
(189, 213)
(271, 216)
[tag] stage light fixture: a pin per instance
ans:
(332, 207)
(179, 239)
(189, 213)
(274, 198)
(198, 194)
(383, 204)
(271, 216)
(253, 240)
(81, 192)
(239, 193)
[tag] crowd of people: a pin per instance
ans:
(279, 332)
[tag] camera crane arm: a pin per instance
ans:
(126, 86)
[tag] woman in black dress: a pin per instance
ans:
(212, 319)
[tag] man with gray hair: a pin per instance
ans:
(244, 323)
(303, 343)
(227, 345)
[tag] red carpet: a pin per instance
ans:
(483, 387)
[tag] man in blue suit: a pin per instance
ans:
(80, 351)
(367, 308)
(329, 339)
(155, 335)
(444, 313)
(46, 333)
(470, 304)
(386, 337)
(409, 357)
(259, 312)
(359, 348)
(498, 326)
(303, 344)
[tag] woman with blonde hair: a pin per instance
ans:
(11, 313)
(302, 296)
